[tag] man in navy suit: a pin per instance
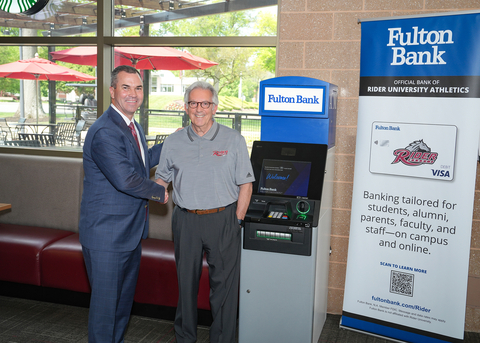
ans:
(114, 210)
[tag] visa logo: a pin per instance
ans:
(441, 173)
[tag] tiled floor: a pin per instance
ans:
(32, 321)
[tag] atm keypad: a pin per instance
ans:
(277, 215)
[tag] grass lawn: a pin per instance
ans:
(167, 122)
(161, 101)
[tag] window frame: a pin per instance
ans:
(105, 40)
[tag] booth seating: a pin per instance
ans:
(20, 249)
(39, 241)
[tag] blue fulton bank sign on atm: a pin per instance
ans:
(299, 110)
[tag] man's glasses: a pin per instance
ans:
(204, 104)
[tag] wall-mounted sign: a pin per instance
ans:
(27, 7)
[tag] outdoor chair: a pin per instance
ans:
(3, 135)
(89, 115)
(32, 143)
(76, 138)
(5, 129)
(45, 139)
(64, 132)
(19, 127)
(160, 138)
(91, 102)
(20, 123)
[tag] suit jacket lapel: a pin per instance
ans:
(143, 141)
(120, 123)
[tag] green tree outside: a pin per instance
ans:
(249, 64)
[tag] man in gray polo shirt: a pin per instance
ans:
(211, 174)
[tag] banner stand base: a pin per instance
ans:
(370, 333)
(376, 328)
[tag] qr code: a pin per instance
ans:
(401, 283)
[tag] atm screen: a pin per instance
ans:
(283, 177)
(293, 170)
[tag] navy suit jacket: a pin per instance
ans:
(117, 185)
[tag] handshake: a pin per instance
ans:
(165, 185)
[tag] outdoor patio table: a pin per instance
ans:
(35, 127)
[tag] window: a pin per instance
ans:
(167, 88)
(177, 24)
(154, 84)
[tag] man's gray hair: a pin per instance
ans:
(202, 85)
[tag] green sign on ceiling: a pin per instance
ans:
(27, 7)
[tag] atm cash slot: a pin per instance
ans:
(278, 238)
(273, 235)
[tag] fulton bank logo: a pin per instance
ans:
(415, 154)
(403, 44)
(298, 99)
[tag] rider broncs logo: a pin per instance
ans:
(415, 154)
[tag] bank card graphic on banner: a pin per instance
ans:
(414, 181)
(414, 150)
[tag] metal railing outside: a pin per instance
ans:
(166, 122)
(75, 112)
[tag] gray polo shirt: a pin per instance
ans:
(205, 171)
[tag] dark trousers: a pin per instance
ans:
(113, 278)
(218, 235)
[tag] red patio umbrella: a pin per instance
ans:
(150, 57)
(41, 69)
(160, 58)
(84, 55)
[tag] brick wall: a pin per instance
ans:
(321, 39)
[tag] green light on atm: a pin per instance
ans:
(303, 207)
(302, 217)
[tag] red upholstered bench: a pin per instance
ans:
(157, 281)
(63, 265)
(53, 258)
(20, 251)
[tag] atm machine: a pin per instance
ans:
(286, 236)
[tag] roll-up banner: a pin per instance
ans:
(414, 182)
